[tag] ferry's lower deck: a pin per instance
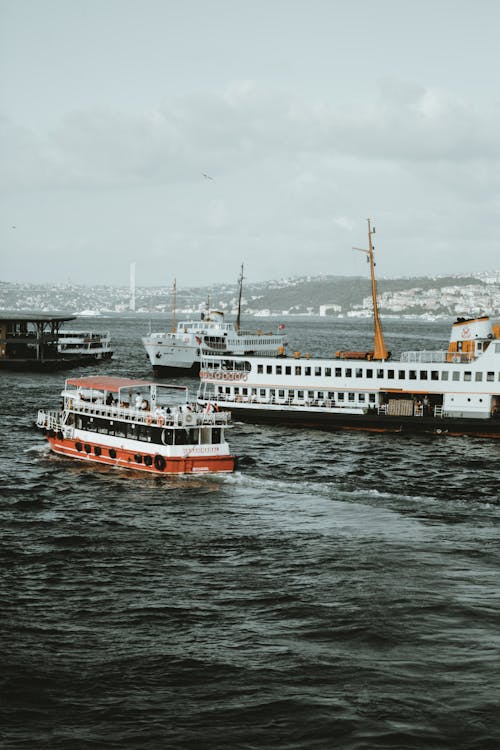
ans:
(381, 411)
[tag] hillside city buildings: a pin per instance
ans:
(293, 296)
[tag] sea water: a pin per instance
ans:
(339, 590)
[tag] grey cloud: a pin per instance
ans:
(104, 148)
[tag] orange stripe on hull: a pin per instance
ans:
(126, 460)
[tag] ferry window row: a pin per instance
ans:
(374, 373)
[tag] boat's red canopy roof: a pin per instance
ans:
(106, 383)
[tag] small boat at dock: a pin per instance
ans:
(137, 424)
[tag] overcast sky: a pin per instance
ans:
(308, 116)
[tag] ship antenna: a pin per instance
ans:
(380, 349)
(174, 310)
(238, 318)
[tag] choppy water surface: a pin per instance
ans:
(338, 591)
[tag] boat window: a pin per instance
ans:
(262, 392)
(361, 396)
(317, 371)
(341, 396)
(371, 397)
(328, 372)
(497, 348)
(359, 372)
(320, 394)
(434, 375)
(479, 376)
(401, 374)
(272, 393)
(413, 374)
(444, 375)
(310, 394)
(278, 369)
(298, 370)
(244, 391)
(490, 376)
(236, 390)
(260, 368)
(350, 396)
(380, 373)
(331, 395)
(288, 370)
(269, 369)
(390, 374)
(338, 372)
(281, 394)
(307, 370)
(300, 394)
(467, 375)
(369, 373)
(456, 376)
(254, 391)
(216, 435)
(348, 372)
(423, 374)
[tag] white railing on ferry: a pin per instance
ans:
(436, 356)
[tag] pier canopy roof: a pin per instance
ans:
(13, 316)
(107, 383)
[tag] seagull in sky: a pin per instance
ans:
(207, 176)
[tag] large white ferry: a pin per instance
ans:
(86, 346)
(179, 351)
(455, 391)
(136, 424)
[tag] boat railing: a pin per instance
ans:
(49, 420)
(178, 417)
(436, 356)
(306, 402)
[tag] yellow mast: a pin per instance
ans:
(174, 305)
(379, 349)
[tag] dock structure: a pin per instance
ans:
(28, 341)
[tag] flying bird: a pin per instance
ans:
(207, 176)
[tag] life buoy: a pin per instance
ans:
(189, 418)
(159, 462)
(160, 421)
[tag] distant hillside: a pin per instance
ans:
(340, 290)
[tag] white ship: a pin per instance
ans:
(86, 346)
(455, 391)
(179, 351)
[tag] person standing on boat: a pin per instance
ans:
(138, 400)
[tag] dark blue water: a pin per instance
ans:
(338, 591)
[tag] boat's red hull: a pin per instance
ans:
(138, 460)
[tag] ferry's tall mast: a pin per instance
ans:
(239, 300)
(174, 305)
(379, 349)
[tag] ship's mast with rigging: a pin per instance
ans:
(174, 305)
(379, 349)
(238, 317)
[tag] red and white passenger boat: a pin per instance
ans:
(137, 424)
